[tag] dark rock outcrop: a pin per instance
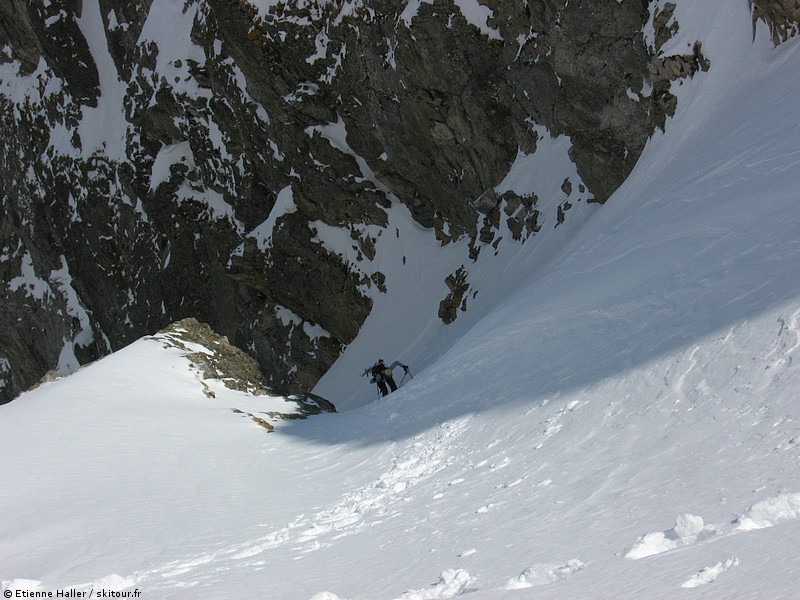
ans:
(781, 16)
(214, 358)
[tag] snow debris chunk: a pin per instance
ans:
(13, 585)
(688, 527)
(709, 574)
(113, 583)
(770, 512)
(452, 583)
(542, 574)
(325, 596)
(687, 530)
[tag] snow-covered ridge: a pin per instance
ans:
(216, 369)
(216, 362)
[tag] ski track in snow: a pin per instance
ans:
(424, 456)
(429, 453)
(418, 460)
(688, 378)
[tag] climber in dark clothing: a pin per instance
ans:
(379, 377)
(382, 375)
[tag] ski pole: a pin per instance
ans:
(407, 372)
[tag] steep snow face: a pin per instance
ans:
(402, 324)
(624, 424)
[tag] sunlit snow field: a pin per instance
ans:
(615, 416)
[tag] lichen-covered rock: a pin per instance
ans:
(215, 358)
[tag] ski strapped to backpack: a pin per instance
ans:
(396, 364)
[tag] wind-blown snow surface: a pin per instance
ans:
(624, 425)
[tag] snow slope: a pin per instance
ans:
(620, 422)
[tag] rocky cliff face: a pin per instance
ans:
(171, 158)
(782, 17)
